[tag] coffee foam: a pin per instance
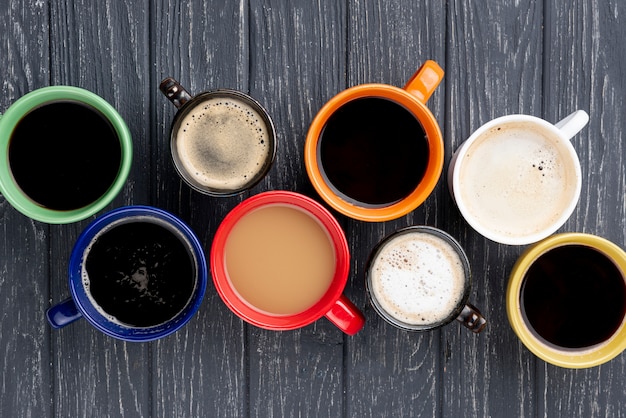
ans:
(223, 143)
(418, 278)
(517, 181)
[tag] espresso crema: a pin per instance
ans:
(223, 143)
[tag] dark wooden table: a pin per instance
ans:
(501, 57)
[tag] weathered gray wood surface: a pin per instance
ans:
(500, 57)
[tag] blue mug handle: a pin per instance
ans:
(80, 306)
(63, 313)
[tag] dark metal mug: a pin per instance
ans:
(406, 267)
(232, 139)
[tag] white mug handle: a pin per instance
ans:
(573, 123)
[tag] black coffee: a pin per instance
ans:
(140, 273)
(573, 297)
(373, 152)
(64, 155)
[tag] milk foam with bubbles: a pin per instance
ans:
(418, 278)
(514, 181)
(223, 143)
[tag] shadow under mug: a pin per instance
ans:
(424, 144)
(137, 274)
(517, 178)
(566, 300)
(222, 142)
(37, 99)
(332, 304)
(418, 279)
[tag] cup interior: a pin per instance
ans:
(243, 108)
(240, 306)
(358, 210)
(96, 315)
(570, 356)
(445, 316)
(516, 180)
(14, 194)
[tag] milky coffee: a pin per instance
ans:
(280, 259)
(516, 180)
(223, 143)
(417, 278)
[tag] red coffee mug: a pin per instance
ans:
(333, 304)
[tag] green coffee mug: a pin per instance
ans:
(43, 123)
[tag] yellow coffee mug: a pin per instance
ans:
(566, 300)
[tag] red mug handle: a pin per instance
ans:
(346, 316)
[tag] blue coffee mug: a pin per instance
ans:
(82, 303)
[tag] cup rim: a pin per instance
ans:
(100, 321)
(266, 320)
(435, 159)
(455, 174)
(568, 358)
(190, 105)
(449, 239)
(23, 106)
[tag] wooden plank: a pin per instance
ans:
(201, 370)
(297, 62)
(102, 50)
(24, 247)
(393, 372)
(540, 58)
(585, 70)
(24, 334)
(494, 68)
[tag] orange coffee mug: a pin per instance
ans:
(375, 152)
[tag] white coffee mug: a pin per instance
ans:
(517, 178)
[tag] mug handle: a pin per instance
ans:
(471, 317)
(63, 313)
(346, 316)
(425, 80)
(174, 91)
(573, 123)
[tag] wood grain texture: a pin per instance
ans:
(296, 62)
(200, 371)
(25, 378)
(582, 71)
(101, 51)
(388, 369)
(494, 68)
(515, 56)
(24, 334)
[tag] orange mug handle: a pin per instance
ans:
(425, 80)
(346, 316)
